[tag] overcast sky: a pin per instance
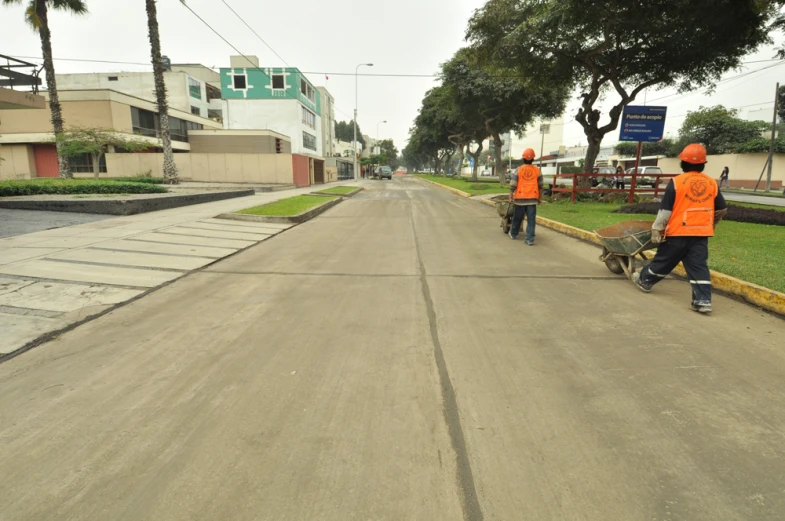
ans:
(399, 37)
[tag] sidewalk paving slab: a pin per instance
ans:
(215, 234)
(53, 270)
(134, 259)
(133, 245)
(168, 238)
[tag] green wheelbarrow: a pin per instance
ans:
(505, 209)
(623, 245)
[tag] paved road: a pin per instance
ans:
(19, 222)
(399, 359)
(756, 199)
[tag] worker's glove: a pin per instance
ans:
(656, 236)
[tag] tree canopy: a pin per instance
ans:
(599, 45)
(344, 131)
(78, 141)
(720, 130)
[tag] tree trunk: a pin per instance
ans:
(170, 168)
(96, 165)
(497, 152)
(54, 100)
(475, 156)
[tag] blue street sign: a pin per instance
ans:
(644, 124)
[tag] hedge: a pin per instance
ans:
(67, 187)
(735, 213)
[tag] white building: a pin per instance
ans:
(328, 122)
(190, 88)
(551, 145)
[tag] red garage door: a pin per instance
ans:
(46, 161)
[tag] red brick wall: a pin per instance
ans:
(301, 169)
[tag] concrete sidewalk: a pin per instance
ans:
(50, 279)
(755, 199)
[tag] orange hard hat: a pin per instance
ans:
(528, 154)
(694, 154)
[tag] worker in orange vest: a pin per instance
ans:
(691, 207)
(526, 194)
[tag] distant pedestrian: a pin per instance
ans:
(689, 211)
(724, 177)
(526, 194)
(619, 178)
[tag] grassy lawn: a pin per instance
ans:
(773, 193)
(343, 190)
(751, 252)
(288, 207)
(468, 187)
(70, 186)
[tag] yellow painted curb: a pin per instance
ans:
(764, 298)
(450, 188)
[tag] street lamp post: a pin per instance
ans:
(354, 143)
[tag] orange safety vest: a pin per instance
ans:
(528, 187)
(693, 209)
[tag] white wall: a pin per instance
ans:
(142, 85)
(533, 138)
(283, 116)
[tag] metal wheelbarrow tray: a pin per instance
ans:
(505, 210)
(622, 243)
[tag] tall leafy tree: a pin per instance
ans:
(170, 168)
(621, 46)
(37, 16)
(387, 148)
(719, 129)
(504, 98)
(434, 126)
(344, 131)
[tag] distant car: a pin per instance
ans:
(384, 172)
(646, 171)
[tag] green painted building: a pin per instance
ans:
(265, 83)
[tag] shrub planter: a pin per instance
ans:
(293, 219)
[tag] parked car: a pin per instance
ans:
(646, 171)
(383, 172)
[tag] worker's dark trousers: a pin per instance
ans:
(694, 253)
(530, 212)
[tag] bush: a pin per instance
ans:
(571, 170)
(735, 213)
(66, 187)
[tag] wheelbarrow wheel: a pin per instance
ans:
(506, 226)
(613, 263)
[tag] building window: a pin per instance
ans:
(194, 88)
(278, 146)
(144, 122)
(196, 111)
(278, 81)
(212, 92)
(304, 87)
(239, 82)
(310, 93)
(309, 141)
(84, 163)
(215, 115)
(113, 78)
(309, 118)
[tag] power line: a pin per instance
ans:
(253, 31)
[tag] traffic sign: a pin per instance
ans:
(645, 124)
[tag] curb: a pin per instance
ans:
(294, 219)
(451, 189)
(350, 194)
(764, 298)
(123, 207)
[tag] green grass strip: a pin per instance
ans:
(288, 207)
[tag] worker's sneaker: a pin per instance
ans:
(529, 243)
(510, 234)
(636, 278)
(701, 307)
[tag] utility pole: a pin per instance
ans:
(773, 137)
(545, 128)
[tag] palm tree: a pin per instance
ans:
(170, 168)
(37, 15)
